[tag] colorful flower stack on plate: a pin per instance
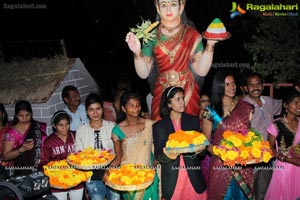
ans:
(186, 142)
(63, 176)
(216, 31)
(238, 148)
(89, 158)
(130, 177)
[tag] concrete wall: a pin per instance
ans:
(77, 76)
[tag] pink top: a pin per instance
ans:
(285, 179)
(184, 189)
(13, 135)
(272, 129)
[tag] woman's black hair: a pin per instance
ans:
(4, 113)
(58, 116)
(290, 95)
(125, 97)
(218, 90)
(254, 74)
(167, 95)
(22, 105)
(184, 18)
(93, 98)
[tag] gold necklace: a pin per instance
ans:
(171, 29)
(171, 53)
(229, 107)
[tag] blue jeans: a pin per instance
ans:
(97, 190)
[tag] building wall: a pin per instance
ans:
(77, 76)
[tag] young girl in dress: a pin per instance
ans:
(284, 134)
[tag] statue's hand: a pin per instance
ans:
(212, 42)
(133, 42)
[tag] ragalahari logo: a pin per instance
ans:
(236, 10)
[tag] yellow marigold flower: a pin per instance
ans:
(256, 152)
(112, 175)
(244, 154)
(183, 144)
(142, 179)
(126, 180)
(199, 140)
(141, 173)
(257, 144)
(236, 141)
(266, 157)
(223, 156)
(228, 146)
(232, 155)
(248, 139)
(251, 134)
(216, 150)
(135, 178)
(150, 175)
(71, 157)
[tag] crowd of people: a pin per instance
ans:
(25, 142)
(178, 57)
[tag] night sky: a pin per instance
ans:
(95, 31)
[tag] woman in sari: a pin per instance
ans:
(284, 134)
(23, 140)
(236, 114)
(132, 138)
(177, 51)
(4, 126)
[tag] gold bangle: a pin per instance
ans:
(138, 55)
(210, 47)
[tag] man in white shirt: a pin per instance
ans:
(75, 109)
(266, 108)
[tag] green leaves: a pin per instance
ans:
(145, 30)
(275, 48)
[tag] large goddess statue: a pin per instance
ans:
(177, 52)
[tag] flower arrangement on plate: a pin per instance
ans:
(90, 158)
(130, 177)
(238, 148)
(186, 142)
(63, 176)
